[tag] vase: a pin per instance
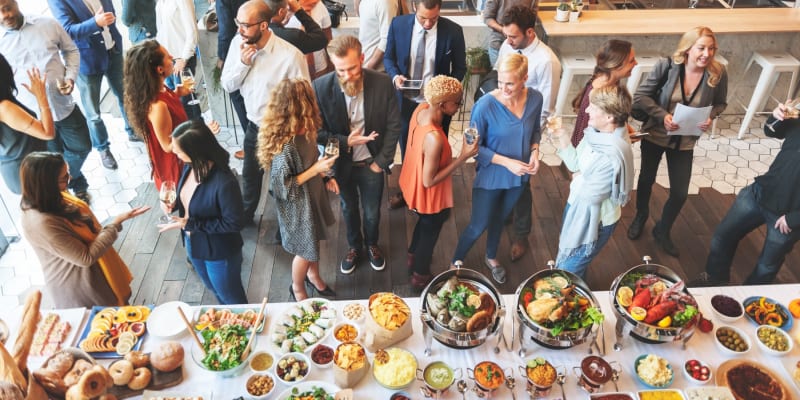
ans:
(562, 15)
(573, 16)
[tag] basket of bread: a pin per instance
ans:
(388, 322)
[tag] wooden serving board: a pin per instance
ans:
(159, 381)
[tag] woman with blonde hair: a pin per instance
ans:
(691, 77)
(287, 145)
(425, 179)
(508, 122)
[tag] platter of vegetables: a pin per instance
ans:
(653, 300)
(765, 311)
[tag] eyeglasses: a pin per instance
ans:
(245, 25)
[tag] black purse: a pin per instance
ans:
(335, 10)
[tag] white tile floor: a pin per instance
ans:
(723, 163)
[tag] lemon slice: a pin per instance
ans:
(665, 322)
(625, 296)
(638, 313)
(124, 347)
(474, 301)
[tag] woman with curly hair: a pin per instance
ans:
(425, 179)
(287, 144)
(154, 110)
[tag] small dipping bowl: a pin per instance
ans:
(261, 361)
(261, 385)
(322, 356)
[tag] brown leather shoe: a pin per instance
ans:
(396, 201)
(239, 154)
(518, 249)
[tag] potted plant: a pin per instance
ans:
(478, 61)
(562, 12)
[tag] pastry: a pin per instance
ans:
(141, 378)
(121, 372)
(76, 372)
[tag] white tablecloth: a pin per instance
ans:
(701, 346)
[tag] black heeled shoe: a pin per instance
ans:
(327, 292)
(291, 294)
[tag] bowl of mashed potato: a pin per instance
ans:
(394, 368)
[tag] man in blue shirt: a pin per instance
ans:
(36, 41)
(92, 25)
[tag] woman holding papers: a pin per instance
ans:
(693, 78)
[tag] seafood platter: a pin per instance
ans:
(652, 304)
(557, 310)
(461, 308)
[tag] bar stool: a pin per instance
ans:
(645, 63)
(572, 65)
(772, 65)
(724, 61)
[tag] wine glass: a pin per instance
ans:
(554, 123)
(168, 194)
(792, 111)
(331, 150)
(471, 133)
(187, 80)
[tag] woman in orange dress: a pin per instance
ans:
(425, 179)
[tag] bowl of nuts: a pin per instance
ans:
(346, 332)
(773, 340)
(732, 341)
(260, 385)
(292, 368)
(353, 312)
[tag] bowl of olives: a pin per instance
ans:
(773, 340)
(732, 341)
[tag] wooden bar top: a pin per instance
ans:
(669, 22)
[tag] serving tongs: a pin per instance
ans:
(260, 315)
(191, 331)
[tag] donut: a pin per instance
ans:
(141, 378)
(78, 369)
(121, 372)
(138, 359)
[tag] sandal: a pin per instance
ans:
(498, 272)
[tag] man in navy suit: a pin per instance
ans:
(91, 24)
(443, 54)
(359, 108)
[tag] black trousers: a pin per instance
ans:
(423, 241)
(679, 168)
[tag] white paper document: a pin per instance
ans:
(688, 118)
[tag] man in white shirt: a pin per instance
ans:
(373, 28)
(257, 60)
(544, 75)
(41, 42)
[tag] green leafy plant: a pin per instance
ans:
(478, 60)
(563, 6)
(216, 74)
(576, 5)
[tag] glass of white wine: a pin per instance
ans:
(792, 111)
(554, 123)
(168, 194)
(187, 80)
(331, 150)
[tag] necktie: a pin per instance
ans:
(419, 60)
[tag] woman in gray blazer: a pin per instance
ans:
(693, 78)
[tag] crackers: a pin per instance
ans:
(389, 310)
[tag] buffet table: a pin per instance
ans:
(701, 346)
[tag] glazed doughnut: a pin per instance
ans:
(141, 378)
(138, 359)
(121, 372)
(92, 384)
(78, 369)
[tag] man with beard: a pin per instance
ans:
(544, 75)
(41, 42)
(359, 108)
(257, 60)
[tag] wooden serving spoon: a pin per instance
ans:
(246, 351)
(191, 331)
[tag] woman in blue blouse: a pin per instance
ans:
(210, 211)
(508, 124)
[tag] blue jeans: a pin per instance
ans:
(579, 260)
(223, 277)
(89, 88)
(366, 186)
(252, 174)
(192, 110)
(490, 207)
(493, 54)
(744, 216)
(139, 33)
(72, 140)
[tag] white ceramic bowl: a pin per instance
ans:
(285, 364)
(261, 375)
(700, 364)
(742, 335)
(352, 307)
(776, 331)
(348, 339)
(165, 321)
(197, 357)
(319, 365)
(722, 317)
(261, 361)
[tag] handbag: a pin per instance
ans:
(640, 114)
(335, 10)
(210, 20)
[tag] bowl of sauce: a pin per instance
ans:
(261, 361)
(438, 377)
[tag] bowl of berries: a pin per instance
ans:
(697, 372)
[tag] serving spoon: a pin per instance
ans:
(462, 388)
(560, 379)
(510, 383)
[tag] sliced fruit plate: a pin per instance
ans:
(114, 331)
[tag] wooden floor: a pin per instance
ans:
(158, 261)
